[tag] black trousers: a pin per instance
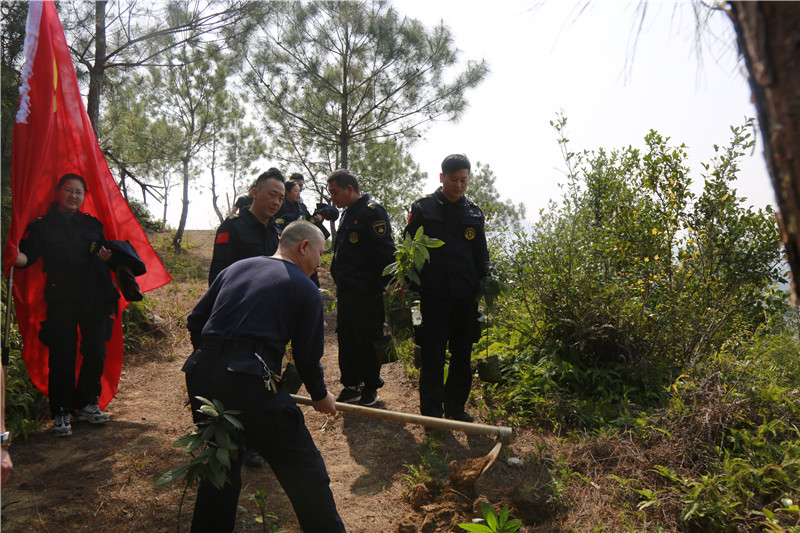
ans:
(359, 322)
(60, 335)
(275, 428)
(453, 323)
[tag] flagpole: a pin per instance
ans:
(7, 329)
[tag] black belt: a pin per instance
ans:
(239, 344)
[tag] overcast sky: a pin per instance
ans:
(584, 60)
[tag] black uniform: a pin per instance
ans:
(363, 248)
(80, 294)
(239, 237)
(449, 289)
(257, 306)
(291, 211)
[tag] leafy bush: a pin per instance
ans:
(632, 280)
(144, 216)
(215, 438)
(25, 405)
(733, 429)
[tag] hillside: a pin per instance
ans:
(101, 479)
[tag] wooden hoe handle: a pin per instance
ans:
(501, 433)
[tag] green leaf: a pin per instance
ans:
(204, 401)
(209, 411)
(223, 439)
(489, 515)
(224, 459)
(172, 475)
(184, 440)
(503, 516)
(475, 528)
(194, 445)
(233, 420)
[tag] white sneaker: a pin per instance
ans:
(92, 414)
(61, 425)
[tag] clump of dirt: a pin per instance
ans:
(440, 507)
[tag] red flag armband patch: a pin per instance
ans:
(222, 238)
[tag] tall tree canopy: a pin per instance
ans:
(191, 97)
(109, 37)
(332, 75)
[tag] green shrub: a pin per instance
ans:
(632, 280)
(144, 217)
(25, 404)
(733, 428)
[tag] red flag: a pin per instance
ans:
(52, 137)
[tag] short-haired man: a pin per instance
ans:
(253, 231)
(449, 289)
(240, 329)
(362, 249)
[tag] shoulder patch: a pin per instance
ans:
(222, 238)
(379, 227)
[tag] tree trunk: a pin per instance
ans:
(178, 239)
(214, 195)
(97, 72)
(768, 35)
(166, 198)
(344, 139)
(122, 182)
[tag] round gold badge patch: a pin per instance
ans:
(353, 237)
(469, 233)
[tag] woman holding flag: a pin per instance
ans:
(80, 295)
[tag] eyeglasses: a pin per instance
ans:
(76, 192)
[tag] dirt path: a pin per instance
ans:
(101, 479)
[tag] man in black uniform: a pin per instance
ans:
(449, 289)
(250, 233)
(240, 329)
(253, 231)
(363, 248)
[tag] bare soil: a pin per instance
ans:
(101, 479)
